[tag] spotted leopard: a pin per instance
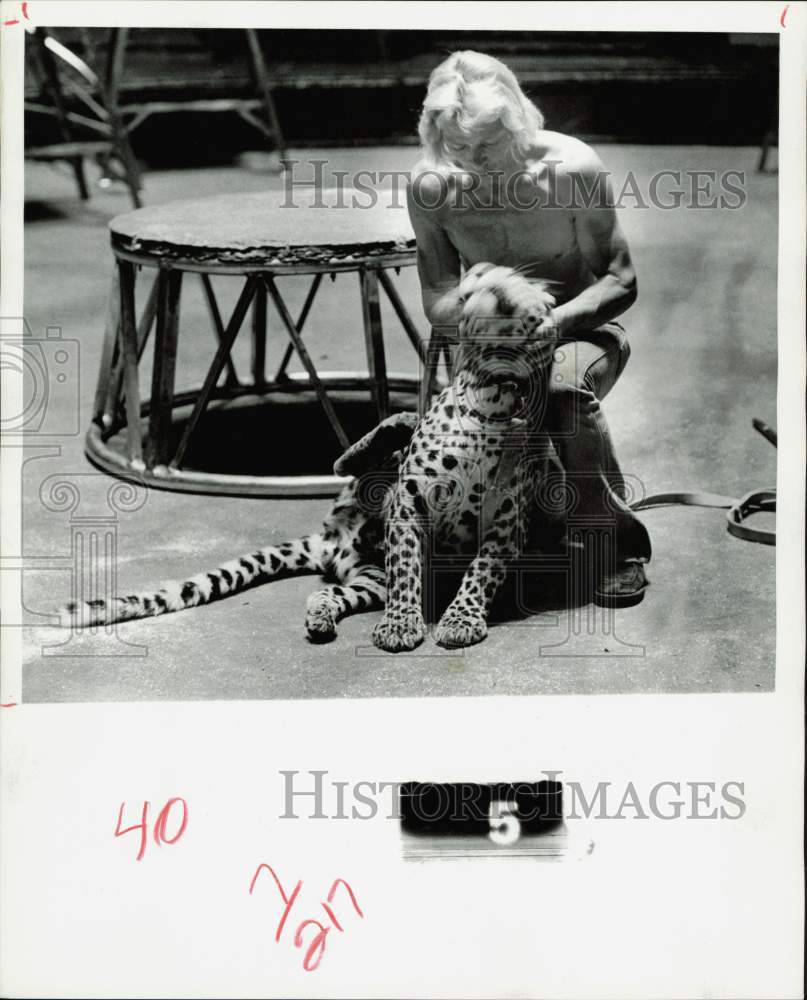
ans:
(459, 471)
(466, 483)
(347, 551)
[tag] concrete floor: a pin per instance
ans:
(704, 363)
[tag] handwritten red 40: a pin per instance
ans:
(160, 828)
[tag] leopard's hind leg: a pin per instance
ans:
(363, 590)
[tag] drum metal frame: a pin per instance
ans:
(118, 404)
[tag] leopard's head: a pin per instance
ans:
(506, 334)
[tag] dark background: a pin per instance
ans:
(354, 87)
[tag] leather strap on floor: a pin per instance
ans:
(738, 510)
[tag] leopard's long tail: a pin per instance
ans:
(308, 554)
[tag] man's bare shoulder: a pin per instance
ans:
(424, 175)
(571, 155)
(427, 189)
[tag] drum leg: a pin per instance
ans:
(143, 331)
(77, 163)
(128, 336)
(218, 326)
(109, 355)
(405, 319)
(308, 364)
(309, 299)
(374, 341)
(259, 337)
(428, 385)
(165, 354)
(212, 377)
(448, 358)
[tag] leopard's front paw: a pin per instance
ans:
(397, 633)
(320, 619)
(460, 626)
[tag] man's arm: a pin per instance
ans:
(438, 262)
(606, 253)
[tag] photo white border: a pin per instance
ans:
(58, 787)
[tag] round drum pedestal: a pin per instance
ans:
(207, 440)
(222, 458)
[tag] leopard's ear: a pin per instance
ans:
(369, 452)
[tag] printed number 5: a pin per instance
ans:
(505, 828)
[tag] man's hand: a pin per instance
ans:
(447, 309)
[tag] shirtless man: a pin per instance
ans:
(493, 185)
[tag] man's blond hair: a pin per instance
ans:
(468, 92)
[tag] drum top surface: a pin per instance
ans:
(261, 221)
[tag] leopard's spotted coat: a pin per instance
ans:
(467, 480)
(458, 480)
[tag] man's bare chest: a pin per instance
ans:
(507, 234)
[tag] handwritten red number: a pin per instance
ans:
(162, 820)
(317, 946)
(288, 900)
(784, 14)
(332, 917)
(336, 883)
(159, 832)
(141, 826)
